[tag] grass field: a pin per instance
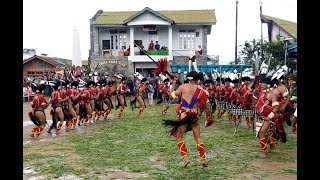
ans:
(140, 148)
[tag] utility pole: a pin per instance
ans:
(236, 48)
(261, 42)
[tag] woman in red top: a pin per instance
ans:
(151, 46)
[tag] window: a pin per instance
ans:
(187, 39)
(153, 32)
(118, 41)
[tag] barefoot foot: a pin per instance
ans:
(203, 163)
(264, 155)
(185, 164)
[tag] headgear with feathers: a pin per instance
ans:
(263, 68)
(143, 80)
(138, 75)
(75, 84)
(280, 72)
(64, 83)
(110, 83)
(34, 87)
(227, 79)
(163, 77)
(279, 75)
(246, 74)
(267, 80)
(215, 74)
(193, 75)
(207, 82)
(56, 85)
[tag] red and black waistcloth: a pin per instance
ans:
(200, 98)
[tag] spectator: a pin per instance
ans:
(151, 46)
(127, 52)
(142, 52)
(199, 50)
(130, 86)
(150, 91)
(157, 46)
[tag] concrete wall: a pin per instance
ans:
(161, 36)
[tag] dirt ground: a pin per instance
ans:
(28, 125)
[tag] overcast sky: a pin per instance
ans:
(48, 25)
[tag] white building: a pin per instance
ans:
(286, 29)
(177, 31)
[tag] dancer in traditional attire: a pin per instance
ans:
(219, 91)
(164, 91)
(86, 106)
(69, 113)
(228, 90)
(38, 117)
(75, 98)
(236, 109)
(285, 107)
(267, 107)
(106, 96)
(192, 98)
(246, 96)
(98, 102)
(122, 91)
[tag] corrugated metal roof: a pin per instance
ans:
(52, 60)
(205, 16)
(289, 26)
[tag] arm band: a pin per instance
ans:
(173, 95)
(271, 115)
(285, 94)
(275, 104)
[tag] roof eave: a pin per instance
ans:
(125, 22)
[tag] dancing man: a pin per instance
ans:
(267, 107)
(192, 98)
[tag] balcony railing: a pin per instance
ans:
(158, 53)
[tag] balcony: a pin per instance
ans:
(158, 53)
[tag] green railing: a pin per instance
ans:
(158, 52)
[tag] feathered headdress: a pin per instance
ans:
(138, 75)
(215, 74)
(233, 75)
(263, 68)
(163, 77)
(280, 72)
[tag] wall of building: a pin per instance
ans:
(113, 66)
(161, 36)
(276, 30)
(37, 65)
(175, 38)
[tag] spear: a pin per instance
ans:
(162, 65)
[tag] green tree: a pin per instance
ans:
(272, 51)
